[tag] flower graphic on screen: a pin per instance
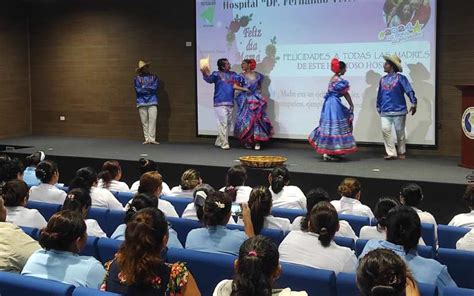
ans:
(235, 25)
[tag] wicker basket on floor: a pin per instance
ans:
(262, 161)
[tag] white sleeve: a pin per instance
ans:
(165, 189)
(112, 202)
(40, 221)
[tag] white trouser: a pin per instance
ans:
(224, 120)
(148, 118)
(399, 123)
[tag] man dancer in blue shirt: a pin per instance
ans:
(223, 98)
(391, 106)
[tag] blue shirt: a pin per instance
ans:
(424, 270)
(173, 241)
(391, 95)
(29, 176)
(216, 239)
(224, 87)
(145, 88)
(66, 267)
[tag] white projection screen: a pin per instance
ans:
(293, 42)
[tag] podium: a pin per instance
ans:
(467, 126)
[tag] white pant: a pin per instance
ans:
(148, 118)
(399, 123)
(224, 120)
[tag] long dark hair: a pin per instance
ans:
(383, 206)
(78, 199)
(403, 227)
(84, 178)
(260, 204)
(45, 170)
(110, 170)
(139, 202)
(312, 198)
(200, 194)
(280, 177)
(324, 221)
(236, 176)
(256, 266)
(217, 209)
(62, 230)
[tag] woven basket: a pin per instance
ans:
(263, 161)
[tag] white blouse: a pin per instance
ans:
(345, 229)
(177, 191)
(290, 197)
(22, 216)
(273, 223)
(243, 193)
(114, 185)
(371, 232)
(352, 206)
(190, 213)
(47, 193)
(466, 243)
(102, 198)
(164, 191)
(93, 228)
(463, 220)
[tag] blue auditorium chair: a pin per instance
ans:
(62, 187)
(459, 265)
(356, 222)
(179, 203)
(114, 218)
(423, 251)
(345, 242)
(208, 269)
(448, 236)
(183, 227)
(275, 235)
(32, 232)
(46, 209)
(302, 278)
(100, 215)
(123, 197)
(290, 214)
(458, 292)
(18, 285)
(81, 291)
(107, 248)
(428, 233)
(91, 248)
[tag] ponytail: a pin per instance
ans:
(110, 170)
(324, 221)
(260, 204)
(383, 206)
(280, 176)
(232, 192)
(84, 178)
(313, 197)
(77, 200)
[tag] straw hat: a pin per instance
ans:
(141, 64)
(395, 60)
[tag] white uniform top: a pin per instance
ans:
(167, 208)
(47, 193)
(224, 288)
(22, 216)
(93, 228)
(164, 191)
(345, 229)
(114, 185)
(190, 213)
(371, 232)
(352, 206)
(467, 242)
(273, 223)
(243, 193)
(290, 197)
(102, 198)
(463, 220)
(304, 248)
(177, 191)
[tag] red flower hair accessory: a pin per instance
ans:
(335, 65)
(252, 64)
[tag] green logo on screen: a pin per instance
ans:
(208, 15)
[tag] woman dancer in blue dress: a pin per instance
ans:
(333, 138)
(252, 125)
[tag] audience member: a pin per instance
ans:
(235, 184)
(48, 173)
(148, 165)
(190, 179)
(283, 194)
(350, 191)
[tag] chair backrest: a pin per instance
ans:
(114, 218)
(179, 203)
(275, 235)
(359, 246)
(288, 213)
(448, 236)
(123, 197)
(356, 222)
(91, 248)
(32, 232)
(107, 248)
(427, 289)
(81, 291)
(302, 278)
(457, 292)
(183, 227)
(18, 285)
(428, 233)
(208, 269)
(459, 265)
(345, 242)
(100, 215)
(46, 209)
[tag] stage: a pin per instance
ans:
(443, 181)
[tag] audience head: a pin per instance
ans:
(151, 183)
(3, 211)
(381, 272)
(350, 187)
(313, 197)
(139, 202)
(383, 206)
(147, 165)
(324, 222)
(260, 204)
(139, 255)
(15, 193)
(65, 231)
(257, 267)
(469, 196)
(111, 170)
(278, 178)
(47, 172)
(236, 176)
(35, 158)
(10, 169)
(200, 195)
(79, 200)
(217, 209)
(84, 178)
(403, 227)
(190, 179)
(411, 195)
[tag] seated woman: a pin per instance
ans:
(17, 246)
(138, 268)
(15, 195)
(31, 161)
(379, 231)
(86, 178)
(256, 269)
(215, 237)
(283, 194)
(79, 200)
(62, 240)
(313, 197)
(383, 273)
(260, 204)
(315, 247)
(109, 177)
(48, 173)
(350, 191)
(139, 202)
(148, 165)
(235, 184)
(403, 233)
(190, 179)
(467, 219)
